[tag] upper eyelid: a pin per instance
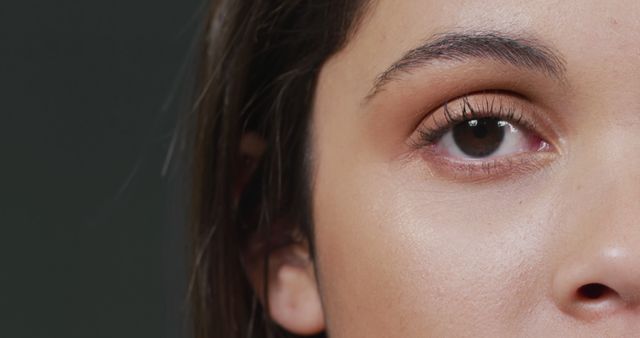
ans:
(468, 107)
(495, 105)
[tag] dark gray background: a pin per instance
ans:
(91, 243)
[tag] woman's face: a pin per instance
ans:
(477, 171)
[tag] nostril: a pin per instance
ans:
(595, 291)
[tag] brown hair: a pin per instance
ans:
(259, 67)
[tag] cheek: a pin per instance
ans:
(399, 255)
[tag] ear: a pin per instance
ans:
(293, 296)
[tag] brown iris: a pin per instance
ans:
(479, 137)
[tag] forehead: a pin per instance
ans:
(404, 21)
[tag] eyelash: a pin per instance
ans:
(506, 106)
(469, 110)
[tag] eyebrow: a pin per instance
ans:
(462, 46)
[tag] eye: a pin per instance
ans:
(486, 137)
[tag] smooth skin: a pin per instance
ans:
(413, 243)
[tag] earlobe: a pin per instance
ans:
(293, 295)
(294, 300)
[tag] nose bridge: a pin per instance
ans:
(615, 215)
(617, 187)
(604, 185)
(606, 204)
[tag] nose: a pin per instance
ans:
(597, 271)
(598, 285)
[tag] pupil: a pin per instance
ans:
(480, 137)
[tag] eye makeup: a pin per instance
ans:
(484, 135)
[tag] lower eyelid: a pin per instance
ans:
(485, 170)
